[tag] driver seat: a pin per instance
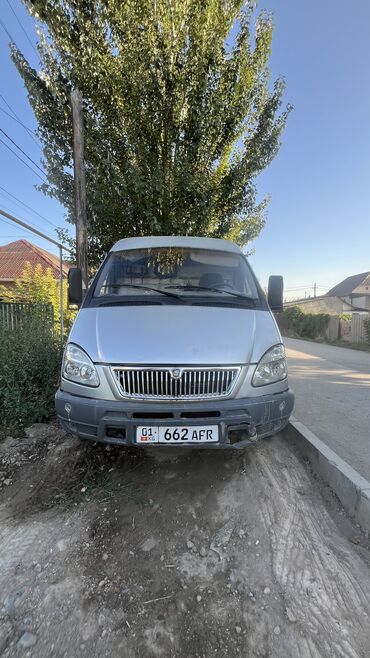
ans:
(211, 280)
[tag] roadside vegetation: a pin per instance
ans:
(30, 350)
(30, 358)
(306, 325)
(294, 323)
(38, 286)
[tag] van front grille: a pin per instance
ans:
(175, 383)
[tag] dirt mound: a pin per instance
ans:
(109, 552)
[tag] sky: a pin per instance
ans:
(318, 228)
(17, 179)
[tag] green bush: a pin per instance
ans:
(307, 325)
(29, 369)
(37, 287)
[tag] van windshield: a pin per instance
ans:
(177, 273)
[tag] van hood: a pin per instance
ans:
(174, 334)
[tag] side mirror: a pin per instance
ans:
(275, 293)
(75, 286)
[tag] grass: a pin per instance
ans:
(359, 347)
(89, 479)
(99, 490)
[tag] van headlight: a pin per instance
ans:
(78, 367)
(271, 368)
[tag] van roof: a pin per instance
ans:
(176, 241)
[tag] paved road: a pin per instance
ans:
(332, 387)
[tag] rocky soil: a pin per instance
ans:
(175, 553)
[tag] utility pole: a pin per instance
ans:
(314, 289)
(79, 183)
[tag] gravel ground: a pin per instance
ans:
(108, 552)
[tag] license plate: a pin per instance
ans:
(180, 434)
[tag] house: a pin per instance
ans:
(323, 304)
(14, 255)
(354, 290)
(349, 296)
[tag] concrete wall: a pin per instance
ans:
(360, 302)
(332, 331)
(331, 305)
(353, 330)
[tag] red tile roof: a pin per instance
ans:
(14, 255)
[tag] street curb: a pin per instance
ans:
(351, 488)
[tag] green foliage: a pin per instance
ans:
(306, 325)
(29, 369)
(179, 114)
(38, 285)
(18, 314)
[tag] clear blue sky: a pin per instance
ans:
(15, 177)
(318, 226)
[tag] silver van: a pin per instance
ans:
(174, 344)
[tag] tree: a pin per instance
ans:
(38, 286)
(180, 117)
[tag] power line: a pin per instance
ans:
(16, 118)
(9, 35)
(15, 114)
(21, 159)
(8, 106)
(308, 286)
(7, 32)
(28, 130)
(29, 228)
(22, 28)
(9, 224)
(23, 235)
(22, 218)
(35, 227)
(18, 203)
(22, 151)
(27, 206)
(300, 288)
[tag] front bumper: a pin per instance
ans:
(241, 421)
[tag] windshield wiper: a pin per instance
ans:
(133, 285)
(228, 292)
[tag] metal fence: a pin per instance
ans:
(17, 314)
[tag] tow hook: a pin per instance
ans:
(248, 429)
(252, 432)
